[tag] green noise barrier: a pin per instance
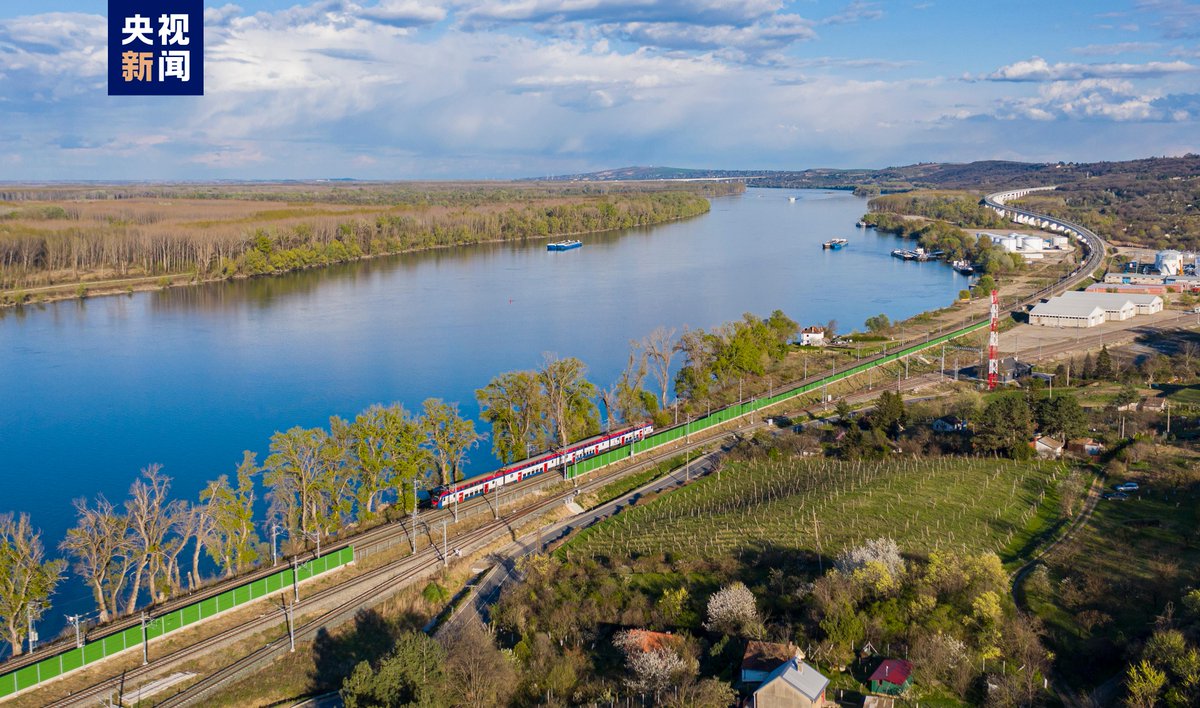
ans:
(93, 651)
(739, 409)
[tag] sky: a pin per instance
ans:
(450, 89)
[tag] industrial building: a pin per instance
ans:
(1058, 312)
(1089, 308)
(1144, 304)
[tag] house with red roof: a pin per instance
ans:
(892, 676)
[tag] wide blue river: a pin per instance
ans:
(92, 391)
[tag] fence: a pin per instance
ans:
(91, 652)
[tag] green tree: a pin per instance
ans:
(1005, 425)
(306, 473)
(448, 437)
(1144, 683)
(413, 674)
(1105, 370)
(1061, 416)
(889, 414)
(232, 512)
(385, 444)
(984, 286)
(514, 405)
(571, 412)
(878, 323)
(26, 577)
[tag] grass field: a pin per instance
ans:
(974, 505)
(1133, 560)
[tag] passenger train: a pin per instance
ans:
(457, 493)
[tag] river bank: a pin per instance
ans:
(95, 245)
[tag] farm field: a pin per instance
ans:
(826, 506)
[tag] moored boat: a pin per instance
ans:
(963, 267)
(564, 245)
(835, 243)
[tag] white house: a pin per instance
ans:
(812, 336)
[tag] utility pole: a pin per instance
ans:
(32, 636)
(145, 642)
(289, 616)
(943, 362)
(295, 579)
(274, 545)
(75, 621)
(445, 546)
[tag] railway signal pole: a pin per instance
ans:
(413, 536)
(145, 642)
(75, 621)
(289, 616)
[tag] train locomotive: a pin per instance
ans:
(445, 495)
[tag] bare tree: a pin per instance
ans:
(480, 674)
(659, 348)
(26, 578)
(150, 521)
(101, 547)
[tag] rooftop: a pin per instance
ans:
(766, 656)
(801, 677)
(894, 671)
(1071, 307)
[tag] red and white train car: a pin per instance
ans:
(457, 493)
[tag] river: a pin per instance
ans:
(91, 391)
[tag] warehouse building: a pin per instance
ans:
(1058, 312)
(1114, 303)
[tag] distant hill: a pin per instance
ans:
(981, 175)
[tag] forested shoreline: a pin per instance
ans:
(91, 236)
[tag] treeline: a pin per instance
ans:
(963, 210)
(44, 244)
(316, 482)
(956, 243)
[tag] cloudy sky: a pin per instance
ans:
(381, 89)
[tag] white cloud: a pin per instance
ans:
(1114, 49)
(1038, 69)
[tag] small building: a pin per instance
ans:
(761, 658)
(892, 676)
(812, 336)
(1155, 404)
(793, 684)
(1085, 446)
(1057, 312)
(1008, 370)
(1046, 446)
(949, 424)
(647, 641)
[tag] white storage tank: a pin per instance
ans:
(1033, 243)
(1169, 262)
(1060, 241)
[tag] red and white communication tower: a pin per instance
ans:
(994, 343)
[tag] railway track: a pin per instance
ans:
(346, 599)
